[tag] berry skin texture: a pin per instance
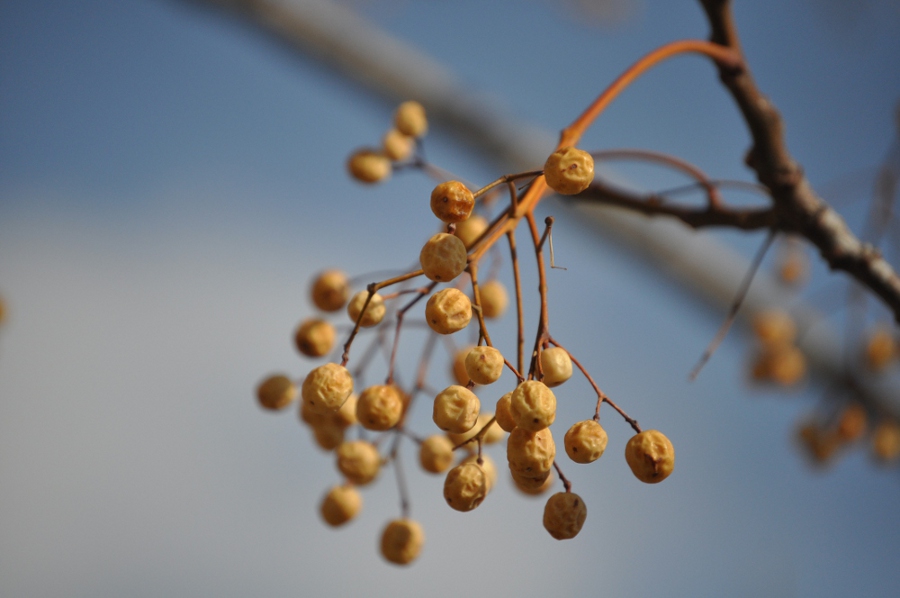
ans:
(465, 486)
(530, 454)
(569, 171)
(410, 119)
(469, 230)
(452, 202)
(340, 505)
(436, 454)
(358, 461)
(276, 392)
(443, 257)
(484, 365)
(494, 299)
(487, 466)
(374, 311)
(564, 515)
(504, 415)
(396, 145)
(401, 541)
(456, 409)
(532, 405)
(448, 311)
(314, 337)
(379, 407)
(369, 166)
(556, 366)
(585, 441)
(651, 456)
(326, 388)
(330, 290)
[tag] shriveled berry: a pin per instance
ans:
(402, 541)
(379, 407)
(484, 365)
(396, 145)
(471, 229)
(314, 337)
(465, 486)
(276, 392)
(456, 409)
(487, 466)
(375, 310)
(494, 299)
(530, 454)
(369, 166)
(327, 387)
(410, 119)
(436, 453)
(340, 505)
(585, 441)
(564, 515)
(556, 366)
(452, 202)
(443, 257)
(569, 170)
(358, 461)
(651, 456)
(532, 405)
(448, 311)
(330, 290)
(504, 414)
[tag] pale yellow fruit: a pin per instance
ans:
(276, 392)
(487, 466)
(369, 166)
(471, 229)
(564, 515)
(585, 441)
(396, 145)
(493, 434)
(530, 454)
(456, 409)
(379, 407)
(410, 119)
(402, 541)
(375, 310)
(330, 290)
(340, 505)
(494, 299)
(532, 405)
(327, 387)
(452, 202)
(556, 366)
(533, 486)
(651, 456)
(569, 170)
(880, 350)
(448, 311)
(328, 436)
(504, 415)
(358, 461)
(436, 454)
(443, 257)
(484, 365)
(886, 441)
(465, 486)
(782, 364)
(774, 327)
(314, 337)
(459, 366)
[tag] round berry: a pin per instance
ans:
(530, 454)
(374, 311)
(401, 541)
(330, 290)
(564, 514)
(340, 505)
(379, 407)
(314, 337)
(470, 230)
(410, 119)
(369, 166)
(459, 366)
(880, 350)
(448, 311)
(443, 257)
(504, 414)
(276, 392)
(556, 366)
(487, 466)
(436, 453)
(651, 456)
(774, 328)
(484, 365)
(456, 409)
(494, 299)
(396, 145)
(358, 461)
(452, 202)
(465, 486)
(569, 170)
(328, 436)
(532, 405)
(585, 441)
(327, 387)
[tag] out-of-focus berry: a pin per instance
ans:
(556, 366)
(401, 541)
(369, 166)
(410, 119)
(276, 392)
(330, 290)
(375, 310)
(314, 337)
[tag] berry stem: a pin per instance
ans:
(566, 483)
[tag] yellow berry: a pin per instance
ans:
(448, 311)
(459, 366)
(651, 456)
(788, 365)
(358, 461)
(276, 392)
(327, 387)
(330, 290)
(484, 365)
(374, 311)
(774, 328)
(314, 337)
(470, 230)
(556, 366)
(456, 409)
(504, 415)
(328, 436)
(852, 423)
(569, 170)
(880, 350)
(886, 441)
(436, 454)
(379, 407)
(340, 505)
(452, 202)
(410, 119)
(487, 466)
(533, 486)
(494, 299)
(369, 166)
(585, 441)
(465, 486)
(564, 514)
(401, 541)
(396, 145)
(530, 454)
(532, 405)
(443, 257)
